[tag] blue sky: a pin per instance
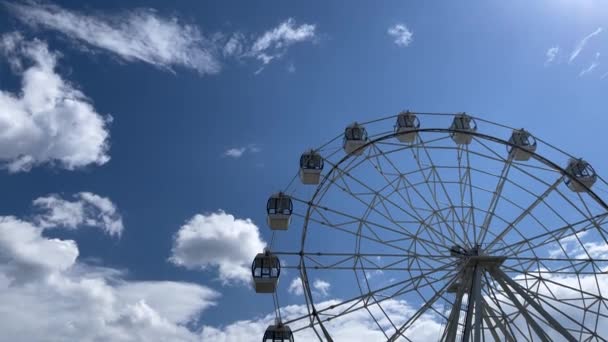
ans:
(167, 121)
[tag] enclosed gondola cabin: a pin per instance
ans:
(265, 270)
(523, 145)
(461, 129)
(355, 137)
(311, 165)
(406, 127)
(278, 333)
(580, 175)
(279, 208)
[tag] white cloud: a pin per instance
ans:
(291, 68)
(551, 55)
(274, 43)
(138, 35)
(49, 121)
(87, 209)
(591, 66)
(295, 287)
(47, 294)
(237, 152)
(166, 42)
(357, 326)
(25, 254)
(221, 241)
(401, 34)
(321, 286)
(235, 45)
(581, 45)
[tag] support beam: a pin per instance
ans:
(524, 312)
(493, 317)
(451, 330)
(497, 273)
(474, 307)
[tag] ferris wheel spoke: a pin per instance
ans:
(565, 286)
(317, 208)
(442, 185)
(539, 200)
(487, 220)
(434, 210)
(354, 304)
(468, 182)
(429, 228)
(344, 230)
(421, 310)
(555, 235)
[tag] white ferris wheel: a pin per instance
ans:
(441, 225)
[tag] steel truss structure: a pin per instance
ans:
(433, 239)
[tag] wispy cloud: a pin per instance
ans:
(237, 152)
(581, 45)
(551, 55)
(401, 34)
(87, 209)
(274, 43)
(591, 66)
(138, 35)
(291, 68)
(166, 42)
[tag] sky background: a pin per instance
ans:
(199, 128)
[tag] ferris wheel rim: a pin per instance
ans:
(314, 314)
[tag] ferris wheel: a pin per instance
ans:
(440, 226)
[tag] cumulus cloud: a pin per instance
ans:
(357, 326)
(49, 120)
(87, 209)
(295, 287)
(218, 240)
(25, 254)
(237, 152)
(137, 35)
(321, 286)
(47, 294)
(581, 45)
(401, 34)
(551, 54)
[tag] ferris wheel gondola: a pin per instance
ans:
(355, 137)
